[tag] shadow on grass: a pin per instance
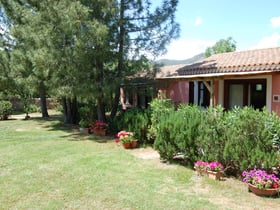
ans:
(56, 123)
(53, 123)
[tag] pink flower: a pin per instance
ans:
(261, 179)
(200, 165)
(215, 166)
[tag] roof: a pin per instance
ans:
(168, 71)
(251, 61)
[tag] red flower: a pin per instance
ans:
(275, 185)
(99, 125)
(117, 140)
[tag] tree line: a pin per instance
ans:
(80, 51)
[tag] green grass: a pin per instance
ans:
(46, 165)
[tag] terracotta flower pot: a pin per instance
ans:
(200, 172)
(99, 131)
(214, 175)
(127, 145)
(134, 143)
(263, 192)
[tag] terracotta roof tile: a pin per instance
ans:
(242, 61)
(169, 70)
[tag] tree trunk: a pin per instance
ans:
(70, 110)
(101, 116)
(116, 102)
(120, 60)
(44, 108)
(101, 110)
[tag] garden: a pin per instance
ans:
(47, 164)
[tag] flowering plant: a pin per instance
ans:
(200, 165)
(84, 123)
(214, 166)
(99, 125)
(125, 136)
(261, 179)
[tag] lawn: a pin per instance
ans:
(47, 165)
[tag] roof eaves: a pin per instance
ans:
(221, 74)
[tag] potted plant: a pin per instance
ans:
(99, 127)
(261, 183)
(200, 167)
(126, 138)
(214, 170)
(84, 125)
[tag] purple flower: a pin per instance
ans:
(261, 179)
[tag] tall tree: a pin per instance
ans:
(65, 44)
(30, 57)
(142, 32)
(222, 46)
(75, 49)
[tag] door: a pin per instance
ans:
(258, 94)
(236, 94)
(245, 93)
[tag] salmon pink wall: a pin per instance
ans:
(179, 92)
(275, 92)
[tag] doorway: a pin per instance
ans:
(240, 93)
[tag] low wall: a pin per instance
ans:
(52, 103)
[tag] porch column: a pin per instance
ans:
(211, 88)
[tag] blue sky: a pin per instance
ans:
(251, 23)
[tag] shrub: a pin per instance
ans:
(34, 108)
(158, 108)
(85, 113)
(239, 139)
(135, 120)
(211, 137)
(250, 135)
(177, 132)
(6, 109)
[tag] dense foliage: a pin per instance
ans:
(240, 139)
(73, 50)
(134, 120)
(6, 109)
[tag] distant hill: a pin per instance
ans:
(168, 62)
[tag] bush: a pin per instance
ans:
(6, 109)
(240, 139)
(178, 132)
(158, 109)
(250, 134)
(134, 120)
(33, 108)
(211, 137)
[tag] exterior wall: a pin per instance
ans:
(275, 96)
(178, 92)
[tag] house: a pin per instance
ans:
(142, 88)
(245, 78)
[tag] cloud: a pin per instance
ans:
(268, 41)
(275, 22)
(198, 21)
(186, 48)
